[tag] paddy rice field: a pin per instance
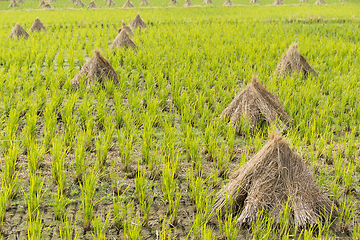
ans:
(144, 158)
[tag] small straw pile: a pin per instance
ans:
(96, 69)
(13, 4)
(278, 2)
(111, 3)
(137, 22)
(228, 3)
(18, 31)
(79, 3)
(319, 2)
(188, 3)
(42, 3)
(48, 6)
(128, 4)
(37, 26)
(253, 105)
(92, 4)
(127, 29)
(173, 2)
(122, 40)
(144, 2)
(254, 1)
(207, 2)
(272, 178)
(294, 62)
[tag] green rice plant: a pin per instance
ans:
(58, 153)
(60, 202)
(85, 109)
(68, 230)
(348, 177)
(356, 230)
(5, 197)
(89, 132)
(262, 227)
(147, 143)
(118, 109)
(103, 145)
(132, 226)
(121, 209)
(12, 125)
(230, 136)
(49, 124)
(35, 227)
(222, 159)
(9, 175)
(284, 219)
(101, 108)
(88, 187)
(346, 215)
(35, 155)
(227, 227)
(101, 224)
(79, 152)
(29, 128)
(170, 191)
(34, 196)
(210, 141)
(143, 193)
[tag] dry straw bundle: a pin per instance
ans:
(72, 1)
(278, 2)
(273, 177)
(122, 40)
(92, 4)
(42, 3)
(228, 3)
(137, 22)
(207, 2)
(37, 26)
(294, 62)
(20, 1)
(254, 1)
(319, 2)
(144, 2)
(173, 2)
(127, 29)
(96, 69)
(18, 31)
(13, 4)
(79, 3)
(304, 0)
(48, 6)
(254, 104)
(111, 3)
(52, 1)
(128, 4)
(188, 3)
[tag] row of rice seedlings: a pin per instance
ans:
(144, 195)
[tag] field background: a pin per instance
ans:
(191, 62)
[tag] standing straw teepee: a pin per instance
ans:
(304, 0)
(228, 3)
(96, 69)
(207, 2)
(128, 4)
(137, 22)
(52, 1)
(254, 105)
(18, 31)
(72, 1)
(37, 26)
(13, 4)
(188, 3)
(173, 2)
(294, 62)
(111, 3)
(144, 2)
(20, 1)
(319, 2)
(122, 40)
(127, 29)
(48, 6)
(92, 4)
(274, 177)
(254, 1)
(79, 3)
(278, 2)
(42, 3)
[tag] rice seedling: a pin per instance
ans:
(35, 227)
(68, 229)
(101, 224)
(103, 144)
(58, 153)
(144, 196)
(346, 215)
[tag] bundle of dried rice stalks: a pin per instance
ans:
(18, 31)
(79, 3)
(13, 4)
(128, 4)
(278, 2)
(173, 2)
(52, 1)
(122, 40)
(228, 3)
(254, 1)
(127, 29)
(42, 3)
(207, 2)
(20, 1)
(144, 2)
(292, 62)
(72, 1)
(37, 26)
(48, 6)
(319, 2)
(137, 22)
(188, 3)
(304, 0)
(96, 69)
(274, 176)
(253, 105)
(92, 4)
(111, 3)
